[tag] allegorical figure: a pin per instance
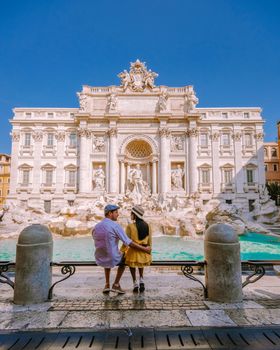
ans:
(177, 178)
(99, 179)
(136, 179)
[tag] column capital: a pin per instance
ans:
(236, 136)
(215, 136)
(15, 136)
(193, 132)
(60, 136)
(37, 136)
(259, 136)
(84, 132)
(164, 132)
(113, 131)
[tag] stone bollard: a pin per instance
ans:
(33, 271)
(223, 265)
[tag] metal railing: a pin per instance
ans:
(257, 270)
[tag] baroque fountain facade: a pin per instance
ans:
(137, 143)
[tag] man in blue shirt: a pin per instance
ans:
(106, 235)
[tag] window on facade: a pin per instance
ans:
(225, 140)
(275, 167)
(27, 139)
(50, 115)
(1, 193)
(224, 115)
(8, 191)
(265, 167)
(273, 152)
(204, 140)
(228, 201)
(25, 177)
(265, 152)
(248, 140)
(246, 115)
(72, 178)
(50, 138)
(73, 140)
(205, 176)
(250, 176)
(203, 115)
(228, 176)
(47, 206)
(49, 177)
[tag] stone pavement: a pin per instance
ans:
(170, 300)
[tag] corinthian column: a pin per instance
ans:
(260, 154)
(38, 137)
(113, 161)
(239, 175)
(192, 160)
(164, 160)
(84, 176)
(14, 162)
(122, 177)
(60, 137)
(154, 179)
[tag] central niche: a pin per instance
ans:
(138, 149)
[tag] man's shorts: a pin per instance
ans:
(122, 261)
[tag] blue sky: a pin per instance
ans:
(229, 50)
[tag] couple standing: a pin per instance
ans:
(135, 252)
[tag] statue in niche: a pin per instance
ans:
(136, 179)
(191, 99)
(176, 144)
(99, 179)
(99, 144)
(177, 178)
(137, 187)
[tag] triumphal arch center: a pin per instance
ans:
(137, 141)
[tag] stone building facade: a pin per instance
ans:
(5, 162)
(139, 141)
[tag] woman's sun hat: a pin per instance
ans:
(138, 211)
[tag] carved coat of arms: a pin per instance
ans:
(138, 78)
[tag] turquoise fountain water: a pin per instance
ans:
(253, 247)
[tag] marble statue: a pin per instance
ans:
(83, 102)
(138, 77)
(99, 179)
(149, 79)
(112, 102)
(191, 99)
(177, 178)
(162, 101)
(125, 79)
(136, 179)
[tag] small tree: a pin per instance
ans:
(274, 191)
